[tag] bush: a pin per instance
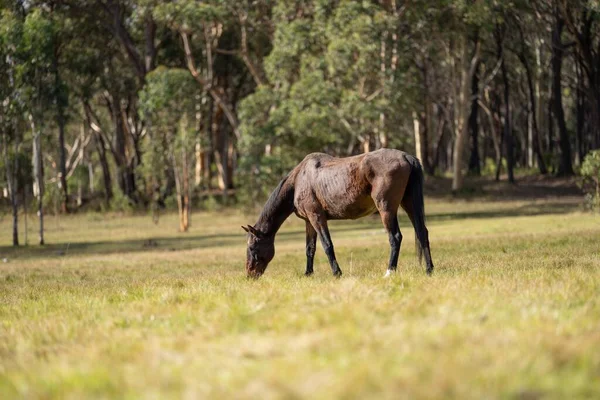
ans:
(121, 203)
(52, 198)
(590, 172)
(489, 166)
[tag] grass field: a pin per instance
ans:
(119, 307)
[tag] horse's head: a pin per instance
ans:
(261, 250)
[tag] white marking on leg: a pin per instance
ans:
(389, 273)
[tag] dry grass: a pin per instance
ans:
(119, 307)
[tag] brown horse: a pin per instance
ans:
(323, 187)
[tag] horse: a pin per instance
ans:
(323, 188)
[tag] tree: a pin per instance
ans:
(565, 166)
(37, 77)
(168, 103)
(582, 21)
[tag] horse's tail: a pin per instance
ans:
(414, 194)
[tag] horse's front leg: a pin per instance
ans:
(319, 223)
(311, 247)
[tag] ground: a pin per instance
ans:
(116, 306)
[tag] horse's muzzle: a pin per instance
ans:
(254, 275)
(255, 272)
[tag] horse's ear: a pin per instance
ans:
(246, 229)
(255, 231)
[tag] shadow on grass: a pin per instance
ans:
(557, 207)
(190, 241)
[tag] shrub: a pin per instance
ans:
(590, 172)
(121, 203)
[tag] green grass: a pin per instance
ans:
(119, 307)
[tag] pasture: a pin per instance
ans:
(117, 307)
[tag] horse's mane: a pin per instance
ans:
(273, 201)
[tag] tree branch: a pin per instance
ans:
(191, 64)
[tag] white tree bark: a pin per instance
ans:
(464, 72)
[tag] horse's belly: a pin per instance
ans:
(344, 209)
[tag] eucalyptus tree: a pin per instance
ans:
(39, 78)
(581, 19)
(11, 30)
(168, 102)
(25, 40)
(223, 45)
(125, 42)
(334, 85)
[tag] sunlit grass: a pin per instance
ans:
(119, 307)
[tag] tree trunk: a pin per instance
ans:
(366, 144)
(13, 187)
(178, 193)
(508, 138)
(218, 96)
(580, 102)
(38, 174)
(437, 149)
(535, 137)
(541, 122)
(429, 129)
(565, 167)
(186, 191)
(231, 162)
(529, 142)
(382, 138)
(223, 153)
(91, 177)
(550, 130)
(465, 69)
(62, 161)
(60, 100)
(474, 161)
(499, 155)
(198, 170)
(126, 172)
(418, 136)
(182, 189)
(106, 178)
(199, 151)
(584, 27)
(220, 139)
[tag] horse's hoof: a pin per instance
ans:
(389, 273)
(308, 273)
(338, 273)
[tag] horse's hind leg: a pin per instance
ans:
(386, 194)
(407, 205)
(319, 223)
(390, 222)
(311, 247)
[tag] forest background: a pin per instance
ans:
(150, 105)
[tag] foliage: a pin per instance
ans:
(243, 90)
(52, 199)
(167, 102)
(121, 203)
(590, 171)
(23, 173)
(327, 91)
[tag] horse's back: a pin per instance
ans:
(333, 185)
(387, 161)
(347, 187)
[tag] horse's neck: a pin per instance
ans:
(277, 209)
